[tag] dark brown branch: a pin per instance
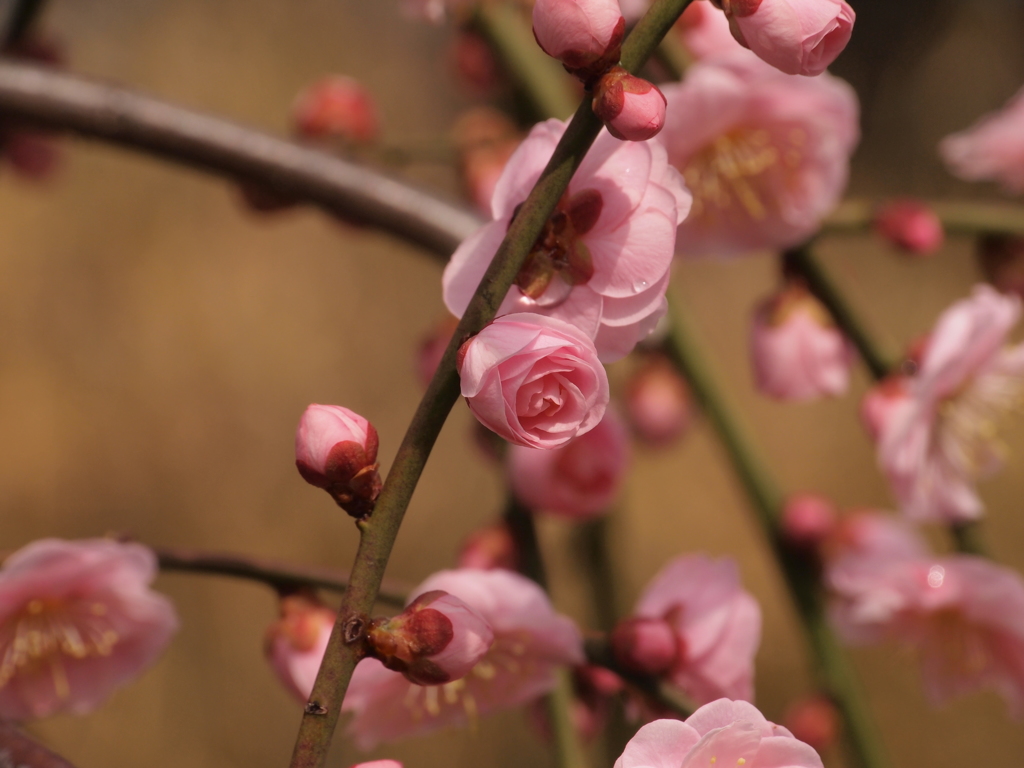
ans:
(94, 110)
(18, 750)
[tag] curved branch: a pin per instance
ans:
(61, 101)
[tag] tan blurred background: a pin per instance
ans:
(158, 344)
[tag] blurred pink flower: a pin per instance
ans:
(579, 480)
(582, 34)
(936, 442)
(881, 402)
(658, 403)
(645, 645)
(531, 642)
(336, 107)
(77, 621)
(631, 108)
(808, 520)
(489, 547)
(534, 380)
(295, 644)
(379, 764)
(602, 262)
(814, 720)
(910, 225)
(723, 733)
(766, 155)
(796, 349)
(992, 149)
(717, 622)
(798, 37)
(705, 31)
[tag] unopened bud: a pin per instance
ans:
(658, 403)
(910, 225)
(814, 721)
(807, 520)
(585, 35)
(488, 548)
(631, 108)
(336, 107)
(1001, 258)
(648, 646)
(436, 639)
(294, 644)
(336, 449)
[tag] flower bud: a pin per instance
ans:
(814, 721)
(1001, 258)
(647, 646)
(336, 107)
(797, 351)
(585, 35)
(807, 520)
(658, 404)
(881, 402)
(631, 108)
(436, 639)
(336, 449)
(295, 644)
(910, 225)
(489, 547)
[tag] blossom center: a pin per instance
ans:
(559, 249)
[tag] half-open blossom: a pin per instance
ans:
(436, 639)
(943, 436)
(336, 449)
(531, 642)
(602, 261)
(336, 107)
(766, 155)
(798, 37)
(585, 35)
(992, 149)
(534, 380)
(722, 733)
(658, 403)
(910, 225)
(295, 644)
(631, 108)
(796, 349)
(578, 480)
(77, 621)
(717, 623)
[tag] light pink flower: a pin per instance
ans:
(796, 349)
(723, 733)
(936, 442)
(992, 149)
(602, 262)
(579, 33)
(798, 37)
(658, 403)
(295, 644)
(77, 621)
(718, 625)
(910, 225)
(579, 480)
(534, 380)
(766, 155)
(336, 106)
(531, 641)
(436, 639)
(336, 449)
(631, 108)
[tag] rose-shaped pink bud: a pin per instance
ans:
(658, 403)
(798, 37)
(585, 35)
(436, 639)
(489, 547)
(294, 644)
(808, 520)
(631, 108)
(814, 721)
(336, 107)
(336, 449)
(797, 351)
(534, 380)
(645, 645)
(910, 225)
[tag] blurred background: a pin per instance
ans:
(158, 342)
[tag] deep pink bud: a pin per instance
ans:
(910, 225)
(336, 107)
(814, 721)
(807, 520)
(489, 547)
(436, 639)
(294, 644)
(585, 35)
(631, 108)
(336, 449)
(658, 403)
(648, 646)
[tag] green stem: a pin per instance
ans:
(568, 747)
(832, 667)
(523, 528)
(957, 217)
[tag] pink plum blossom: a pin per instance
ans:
(534, 380)
(940, 438)
(910, 225)
(579, 480)
(718, 625)
(436, 639)
(658, 403)
(766, 155)
(992, 149)
(721, 733)
(602, 262)
(77, 621)
(531, 642)
(796, 349)
(295, 644)
(798, 37)
(585, 35)
(631, 108)
(337, 106)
